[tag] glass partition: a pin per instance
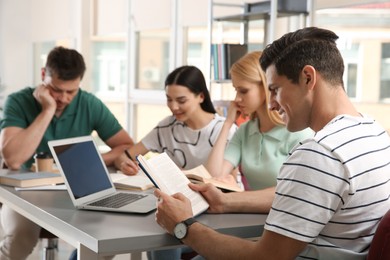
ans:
(153, 59)
(109, 67)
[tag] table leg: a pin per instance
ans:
(86, 253)
(136, 255)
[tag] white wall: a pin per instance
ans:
(23, 22)
(15, 48)
(151, 14)
(52, 19)
(112, 18)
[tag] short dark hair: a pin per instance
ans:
(192, 78)
(308, 46)
(66, 64)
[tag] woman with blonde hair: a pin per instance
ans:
(260, 146)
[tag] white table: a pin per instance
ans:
(103, 233)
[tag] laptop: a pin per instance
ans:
(88, 182)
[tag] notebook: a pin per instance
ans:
(87, 178)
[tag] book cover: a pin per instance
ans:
(168, 177)
(233, 52)
(200, 174)
(29, 179)
(136, 182)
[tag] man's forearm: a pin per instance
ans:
(258, 201)
(19, 145)
(222, 246)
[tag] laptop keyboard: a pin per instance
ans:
(117, 200)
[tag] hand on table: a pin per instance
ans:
(129, 167)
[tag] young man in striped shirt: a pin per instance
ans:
(331, 191)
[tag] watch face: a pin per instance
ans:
(180, 230)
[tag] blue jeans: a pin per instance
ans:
(73, 255)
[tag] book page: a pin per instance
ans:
(170, 179)
(139, 181)
(200, 174)
(200, 171)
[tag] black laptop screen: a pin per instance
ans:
(84, 171)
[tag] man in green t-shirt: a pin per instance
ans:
(56, 109)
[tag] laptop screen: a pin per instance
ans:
(83, 168)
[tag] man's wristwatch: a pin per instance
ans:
(181, 229)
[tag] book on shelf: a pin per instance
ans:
(200, 174)
(29, 179)
(224, 56)
(135, 182)
(168, 177)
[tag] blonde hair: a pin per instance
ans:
(248, 68)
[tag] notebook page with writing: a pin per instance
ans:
(170, 179)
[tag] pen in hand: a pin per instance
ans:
(129, 167)
(128, 155)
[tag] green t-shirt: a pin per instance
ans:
(260, 155)
(82, 116)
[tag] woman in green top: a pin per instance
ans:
(260, 146)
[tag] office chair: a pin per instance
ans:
(380, 245)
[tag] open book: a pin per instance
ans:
(136, 182)
(201, 175)
(29, 179)
(166, 176)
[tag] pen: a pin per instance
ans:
(128, 155)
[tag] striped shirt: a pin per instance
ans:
(187, 147)
(334, 188)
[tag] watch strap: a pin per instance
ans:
(189, 221)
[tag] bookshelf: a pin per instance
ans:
(266, 10)
(224, 52)
(223, 57)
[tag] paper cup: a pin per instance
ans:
(43, 162)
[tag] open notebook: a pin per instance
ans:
(87, 178)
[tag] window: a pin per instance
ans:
(153, 59)
(350, 53)
(108, 67)
(385, 72)
(351, 76)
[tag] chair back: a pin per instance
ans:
(380, 245)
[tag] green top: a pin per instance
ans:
(82, 116)
(260, 155)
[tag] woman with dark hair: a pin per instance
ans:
(192, 78)
(187, 135)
